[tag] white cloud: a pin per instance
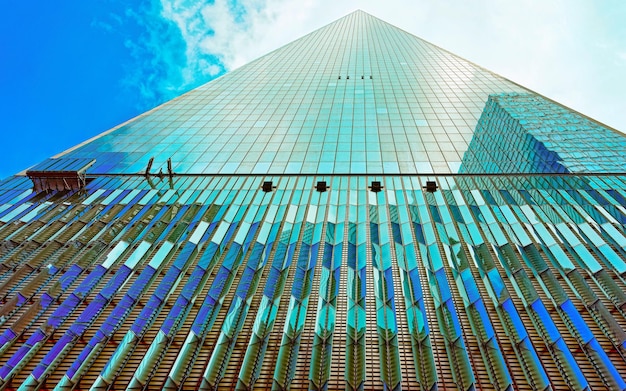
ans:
(234, 35)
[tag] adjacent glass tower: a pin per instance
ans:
(358, 209)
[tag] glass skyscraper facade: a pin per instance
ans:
(358, 209)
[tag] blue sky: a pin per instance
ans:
(72, 69)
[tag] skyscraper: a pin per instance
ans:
(359, 209)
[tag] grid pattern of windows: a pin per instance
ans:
(357, 96)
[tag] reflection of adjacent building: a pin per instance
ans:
(282, 227)
(525, 133)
